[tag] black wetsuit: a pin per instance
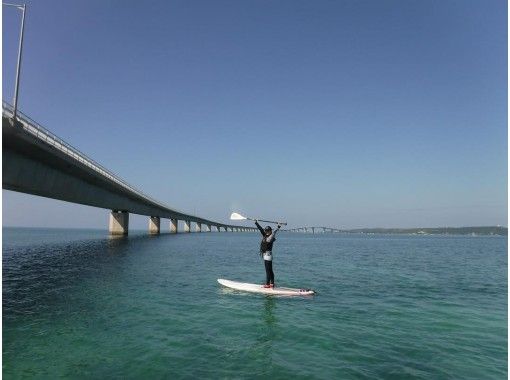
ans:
(266, 247)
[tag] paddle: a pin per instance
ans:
(236, 216)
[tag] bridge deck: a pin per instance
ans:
(35, 161)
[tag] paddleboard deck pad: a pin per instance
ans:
(255, 288)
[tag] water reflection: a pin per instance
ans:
(269, 316)
(268, 331)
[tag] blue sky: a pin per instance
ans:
(340, 113)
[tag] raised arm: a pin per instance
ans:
(260, 228)
(273, 235)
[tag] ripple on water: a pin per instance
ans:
(78, 304)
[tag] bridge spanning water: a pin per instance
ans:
(37, 162)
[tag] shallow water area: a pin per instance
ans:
(77, 303)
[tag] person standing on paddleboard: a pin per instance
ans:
(266, 251)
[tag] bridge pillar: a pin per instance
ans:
(207, 228)
(313, 230)
(119, 222)
(154, 224)
(198, 227)
(173, 226)
(187, 226)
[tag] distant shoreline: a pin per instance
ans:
(474, 231)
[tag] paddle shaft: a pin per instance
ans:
(268, 221)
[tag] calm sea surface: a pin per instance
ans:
(77, 304)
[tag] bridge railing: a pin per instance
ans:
(42, 133)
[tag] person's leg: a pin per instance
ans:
(271, 273)
(267, 265)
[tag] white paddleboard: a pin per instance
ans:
(255, 288)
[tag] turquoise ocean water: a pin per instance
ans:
(77, 304)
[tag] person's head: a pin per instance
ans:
(268, 230)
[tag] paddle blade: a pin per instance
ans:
(236, 216)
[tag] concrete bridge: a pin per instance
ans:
(37, 162)
(314, 229)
